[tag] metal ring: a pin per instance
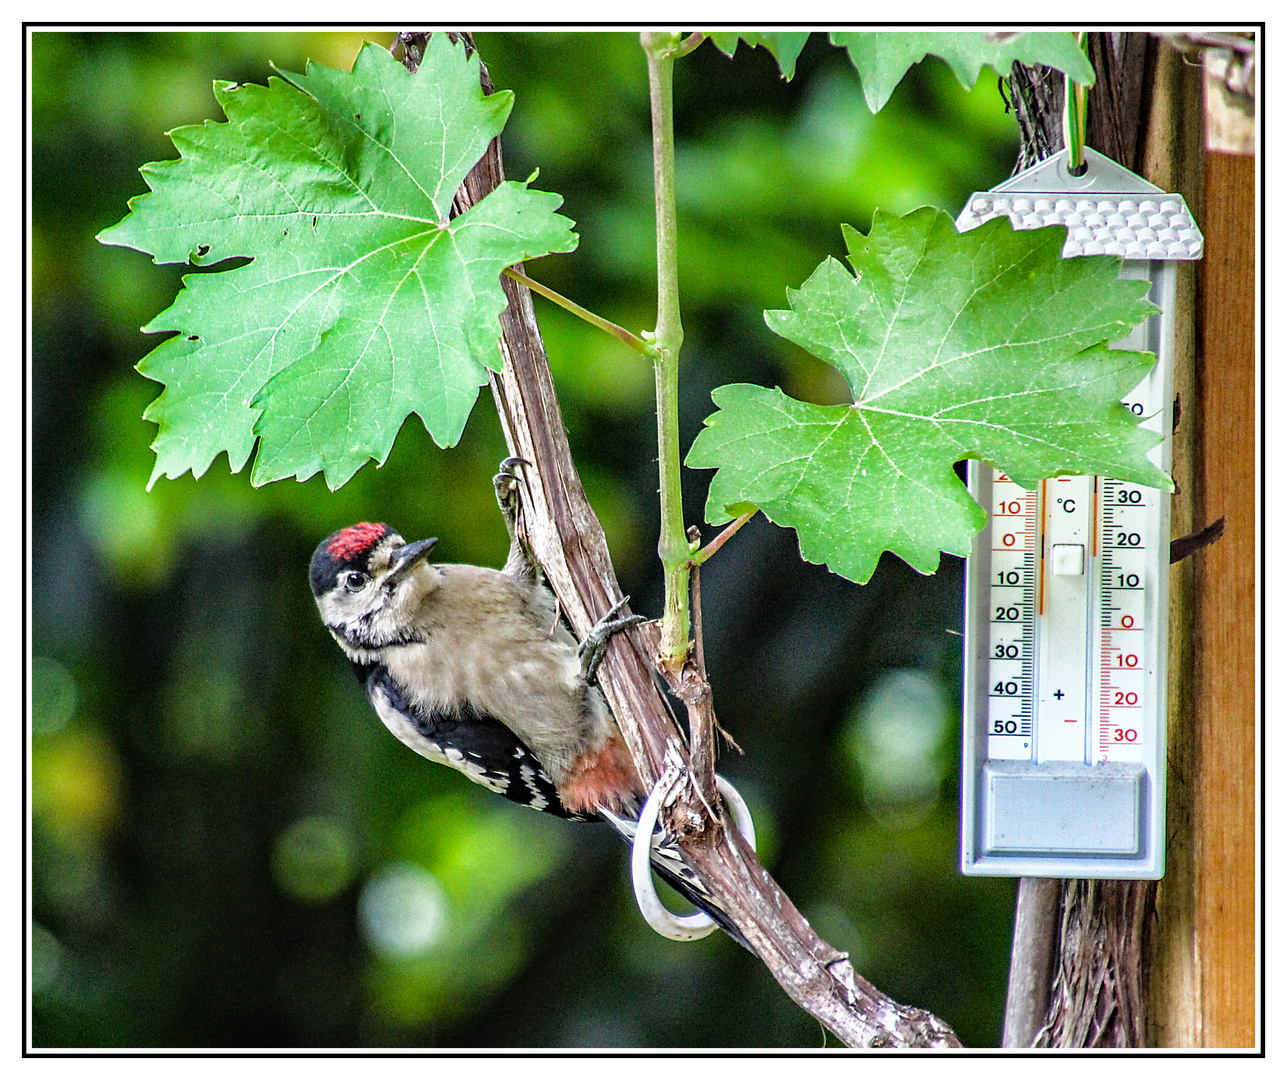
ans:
(655, 913)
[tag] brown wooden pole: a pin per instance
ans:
(1204, 986)
(1225, 653)
(1032, 960)
(1173, 159)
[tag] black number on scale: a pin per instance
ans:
(1006, 614)
(1129, 496)
(1006, 652)
(1128, 540)
(1007, 577)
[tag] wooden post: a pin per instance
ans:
(1204, 986)
(1032, 960)
(1225, 672)
(1175, 120)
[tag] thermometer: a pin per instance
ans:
(1064, 756)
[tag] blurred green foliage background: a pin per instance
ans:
(228, 850)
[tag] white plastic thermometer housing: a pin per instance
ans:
(1064, 756)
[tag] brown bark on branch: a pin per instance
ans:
(569, 543)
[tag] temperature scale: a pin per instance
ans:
(1064, 762)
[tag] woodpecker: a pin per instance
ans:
(472, 668)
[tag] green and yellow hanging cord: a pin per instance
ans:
(1075, 119)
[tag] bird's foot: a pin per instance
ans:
(595, 644)
(507, 490)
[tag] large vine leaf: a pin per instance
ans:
(984, 345)
(882, 59)
(362, 302)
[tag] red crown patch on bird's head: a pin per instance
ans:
(356, 539)
(345, 549)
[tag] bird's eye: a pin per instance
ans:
(354, 581)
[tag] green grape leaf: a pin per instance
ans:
(785, 46)
(362, 301)
(882, 59)
(986, 344)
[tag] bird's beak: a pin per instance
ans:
(407, 557)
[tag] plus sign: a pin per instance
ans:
(1059, 694)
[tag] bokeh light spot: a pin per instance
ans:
(313, 859)
(53, 696)
(897, 739)
(402, 910)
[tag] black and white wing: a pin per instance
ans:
(470, 741)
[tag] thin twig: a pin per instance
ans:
(700, 650)
(705, 553)
(695, 692)
(689, 44)
(609, 327)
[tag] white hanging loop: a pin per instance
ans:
(741, 813)
(655, 913)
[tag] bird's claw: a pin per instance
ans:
(591, 650)
(506, 484)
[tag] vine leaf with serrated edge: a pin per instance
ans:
(363, 301)
(882, 59)
(784, 45)
(986, 344)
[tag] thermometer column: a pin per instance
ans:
(1125, 663)
(1012, 590)
(1134, 545)
(1062, 621)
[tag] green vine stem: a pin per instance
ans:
(672, 547)
(662, 346)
